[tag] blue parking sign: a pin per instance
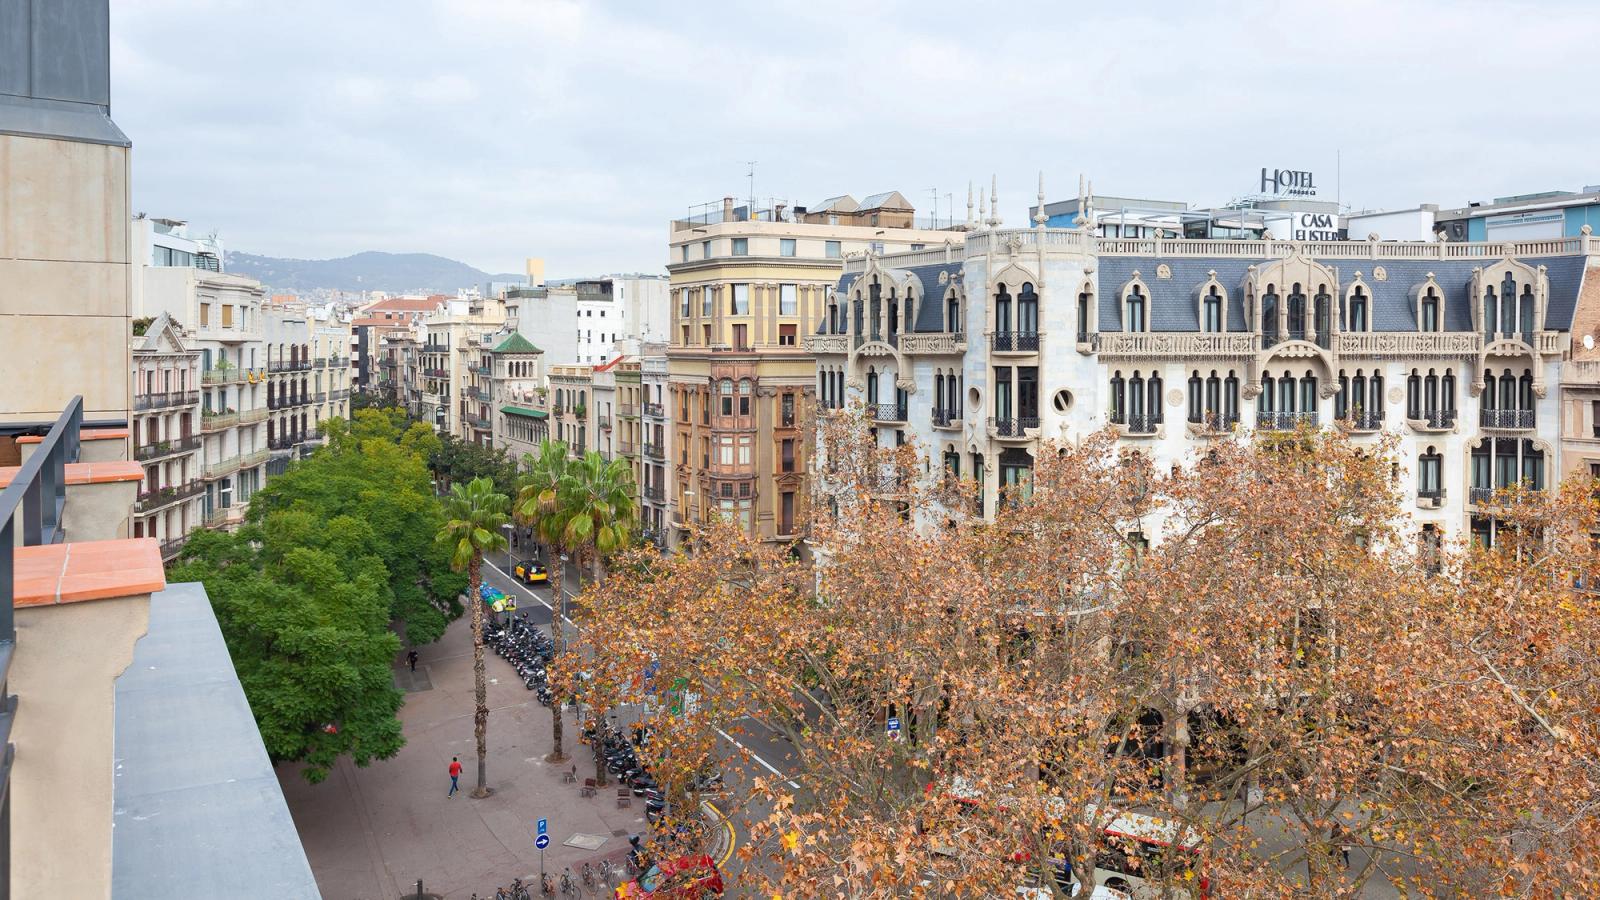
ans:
(544, 826)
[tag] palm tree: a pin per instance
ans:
(598, 505)
(539, 507)
(474, 514)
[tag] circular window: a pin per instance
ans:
(974, 398)
(1062, 401)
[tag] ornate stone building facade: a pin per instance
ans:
(1022, 335)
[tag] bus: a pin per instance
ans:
(1140, 846)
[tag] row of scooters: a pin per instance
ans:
(529, 651)
(622, 760)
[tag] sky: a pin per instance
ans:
(494, 130)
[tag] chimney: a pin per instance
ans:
(727, 209)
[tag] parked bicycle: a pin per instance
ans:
(569, 887)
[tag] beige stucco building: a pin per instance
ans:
(746, 285)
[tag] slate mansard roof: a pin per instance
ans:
(1173, 307)
(930, 316)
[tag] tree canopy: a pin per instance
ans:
(335, 553)
(1255, 647)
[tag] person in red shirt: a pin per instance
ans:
(455, 773)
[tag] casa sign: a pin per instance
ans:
(1316, 227)
(1288, 183)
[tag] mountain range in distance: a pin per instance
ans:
(422, 273)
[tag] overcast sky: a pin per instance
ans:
(493, 130)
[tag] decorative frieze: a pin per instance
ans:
(1114, 344)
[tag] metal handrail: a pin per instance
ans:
(38, 492)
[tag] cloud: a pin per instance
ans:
(492, 130)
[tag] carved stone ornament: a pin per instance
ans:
(766, 391)
(1014, 244)
(1379, 273)
(944, 277)
(1396, 395)
(1163, 271)
(1174, 397)
(1251, 390)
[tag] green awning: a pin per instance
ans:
(520, 411)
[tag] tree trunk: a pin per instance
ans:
(480, 718)
(560, 571)
(599, 757)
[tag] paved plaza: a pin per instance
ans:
(370, 833)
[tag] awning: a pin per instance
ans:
(520, 411)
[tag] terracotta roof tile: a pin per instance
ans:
(87, 434)
(87, 570)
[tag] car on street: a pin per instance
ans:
(685, 878)
(529, 571)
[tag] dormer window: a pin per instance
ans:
(1525, 310)
(1322, 316)
(1270, 326)
(1134, 311)
(1358, 309)
(1297, 314)
(1491, 312)
(1429, 318)
(952, 313)
(1211, 311)
(1084, 299)
(1508, 306)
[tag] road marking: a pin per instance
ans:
(526, 590)
(756, 756)
(723, 862)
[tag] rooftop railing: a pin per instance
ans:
(30, 515)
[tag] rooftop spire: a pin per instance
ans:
(994, 200)
(1039, 218)
(970, 222)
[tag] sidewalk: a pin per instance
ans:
(371, 833)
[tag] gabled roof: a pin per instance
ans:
(841, 203)
(886, 200)
(516, 343)
(162, 327)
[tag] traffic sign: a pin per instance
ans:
(544, 826)
(542, 841)
(894, 729)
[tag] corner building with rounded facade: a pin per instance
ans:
(983, 350)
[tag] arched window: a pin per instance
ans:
(833, 318)
(910, 316)
(1430, 391)
(1447, 391)
(1525, 391)
(1414, 395)
(1430, 311)
(1508, 306)
(1491, 312)
(872, 386)
(1271, 328)
(938, 393)
(1197, 407)
(1297, 314)
(1268, 394)
(725, 388)
(1308, 393)
(1341, 400)
(859, 314)
(1153, 409)
(1358, 309)
(1136, 396)
(1375, 397)
(1322, 316)
(1213, 396)
(952, 313)
(1230, 398)
(1211, 311)
(1532, 465)
(1134, 318)
(1525, 307)
(1002, 310)
(1083, 317)
(744, 396)
(1027, 310)
(1358, 394)
(1430, 474)
(1118, 397)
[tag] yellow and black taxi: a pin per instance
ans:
(529, 571)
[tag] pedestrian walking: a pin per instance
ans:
(455, 775)
(411, 659)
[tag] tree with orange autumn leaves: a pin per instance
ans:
(1254, 646)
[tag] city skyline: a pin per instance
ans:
(492, 131)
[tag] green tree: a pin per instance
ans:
(540, 508)
(596, 496)
(306, 622)
(475, 514)
(454, 460)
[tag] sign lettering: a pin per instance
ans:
(1288, 182)
(1316, 227)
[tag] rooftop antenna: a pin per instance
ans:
(752, 176)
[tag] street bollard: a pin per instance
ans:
(419, 889)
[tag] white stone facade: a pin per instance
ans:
(1057, 333)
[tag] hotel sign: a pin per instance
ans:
(1288, 183)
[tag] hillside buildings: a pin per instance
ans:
(747, 284)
